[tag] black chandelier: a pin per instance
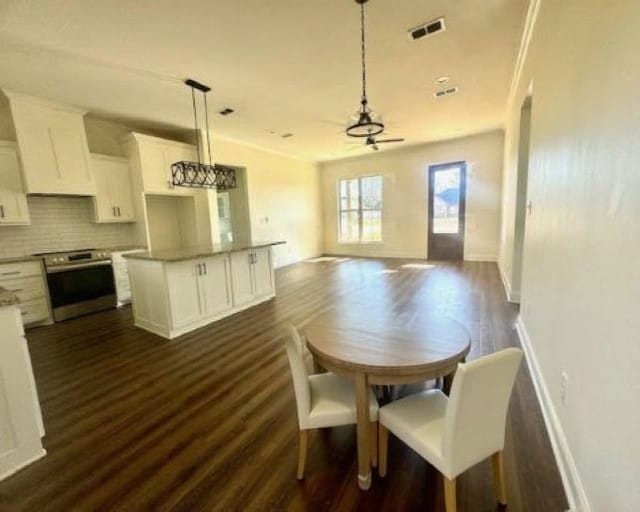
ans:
(365, 123)
(198, 174)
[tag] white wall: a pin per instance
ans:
(404, 216)
(284, 199)
(581, 279)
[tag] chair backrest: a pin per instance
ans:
(476, 413)
(294, 346)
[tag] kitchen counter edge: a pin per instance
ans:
(171, 255)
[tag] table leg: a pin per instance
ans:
(447, 380)
(364, 455)
(317, 368)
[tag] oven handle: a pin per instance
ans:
(66, 268)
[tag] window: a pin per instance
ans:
(360, 203)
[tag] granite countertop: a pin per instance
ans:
(8, 298)
(191, 253)
(20, 259)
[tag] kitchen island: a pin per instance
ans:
(175, 291)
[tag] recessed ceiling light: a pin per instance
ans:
(442, 79)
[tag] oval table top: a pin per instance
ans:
(382, 345)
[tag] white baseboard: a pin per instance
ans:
(511, 296)
(38, 455)
(481, 257)
(576, 495)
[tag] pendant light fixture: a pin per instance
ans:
(365, 123)
(199, 174)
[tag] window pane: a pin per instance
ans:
(446, 200)
(343, 194)
(353, 200)
(372, 192)
(372, 226)
(349, 226)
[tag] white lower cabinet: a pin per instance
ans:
(21, 424)
(121, 275)
(198, 290)
(252, 274)
(241, 276)
(185, 300)
(27, 281)
(172, 298)
(215, 286)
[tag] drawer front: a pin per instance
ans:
(17, 270)
(28, 288)
(34, 311)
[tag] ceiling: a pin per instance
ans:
(283, 65)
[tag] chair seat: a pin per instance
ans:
(418, 420)
(333, 401)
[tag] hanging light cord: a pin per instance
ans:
(364, 65)
(206, 119)
(195, 118)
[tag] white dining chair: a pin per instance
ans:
(456, 432)
(323, 400)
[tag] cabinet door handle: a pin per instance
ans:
(249, 257)
(119, 214)
(113, 211)
(2, 211)
(205, 268)
(199, 269)
(15, 273)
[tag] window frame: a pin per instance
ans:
(360, 209)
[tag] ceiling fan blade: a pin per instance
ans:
(388, 140)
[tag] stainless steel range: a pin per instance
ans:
(80, 282)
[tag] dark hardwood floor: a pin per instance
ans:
(208, 421)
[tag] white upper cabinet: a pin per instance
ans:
(13, 201)
(113, 201)
(154, 157)
(53, 146)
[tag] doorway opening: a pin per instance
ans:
(447, 201)
(521, 199)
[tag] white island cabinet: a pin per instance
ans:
(21, 424)
(177, 291)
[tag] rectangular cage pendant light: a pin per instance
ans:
(199, 174)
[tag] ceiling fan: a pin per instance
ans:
(373, 142)
(365, 123)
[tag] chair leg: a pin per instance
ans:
(374, 443)
(449, 494)
(383, 444)
(303, 441)
(497, 463)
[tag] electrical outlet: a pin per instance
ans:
(564, 389)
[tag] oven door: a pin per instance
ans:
(79, 289)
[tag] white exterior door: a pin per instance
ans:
(241, 277)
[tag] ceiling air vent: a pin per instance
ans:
(428, 29)
(445, 92)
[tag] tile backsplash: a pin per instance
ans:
(61, 223)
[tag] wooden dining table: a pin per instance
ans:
(374, 348)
